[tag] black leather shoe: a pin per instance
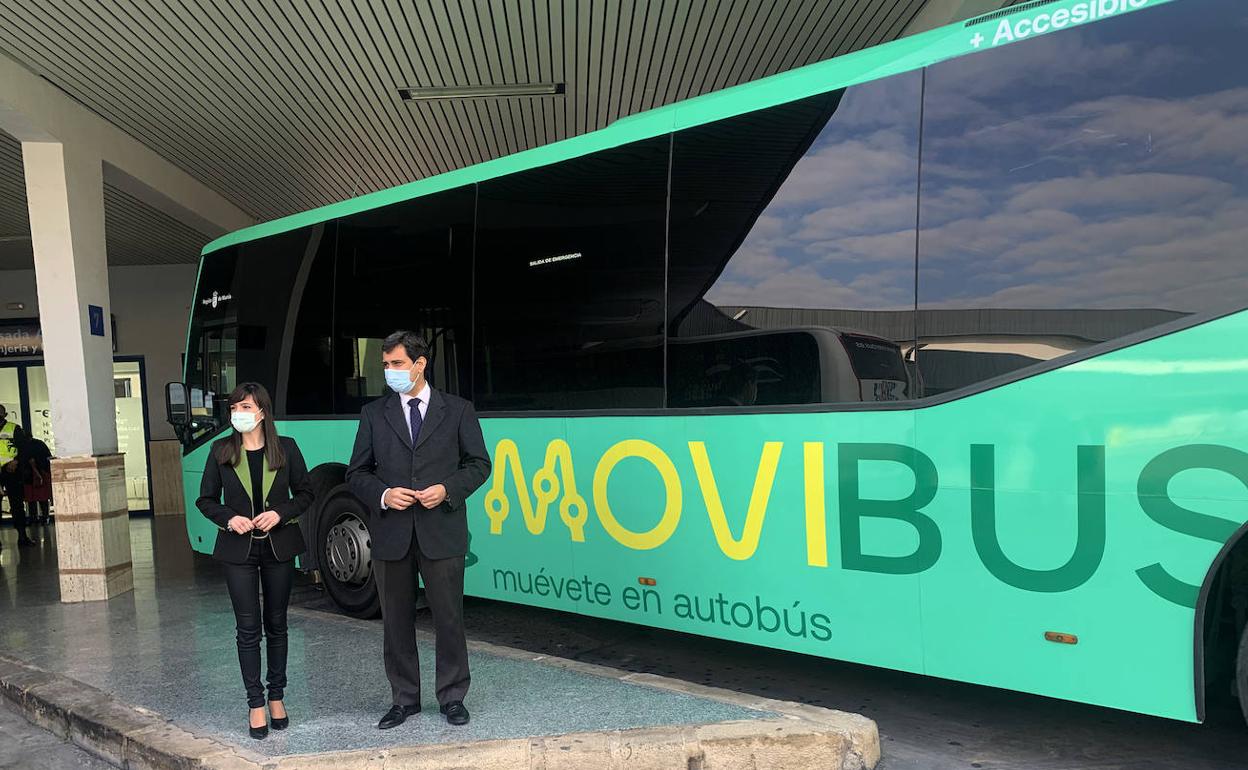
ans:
(456, 712)
(279, 723)
(258, 733)
(396, 716)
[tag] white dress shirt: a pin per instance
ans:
(422, 402)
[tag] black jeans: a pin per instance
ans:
(12, 485)
(37, 511)
(244, 582)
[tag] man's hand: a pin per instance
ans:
(432, 497)
(240, 525)
(400, 498)
(266, 521)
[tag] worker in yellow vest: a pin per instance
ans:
(11, 436)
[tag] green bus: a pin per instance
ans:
(929, 357)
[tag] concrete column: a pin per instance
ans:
(65, 192)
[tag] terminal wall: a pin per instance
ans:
(151, 304)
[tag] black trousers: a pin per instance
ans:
(444, 591)
(244, 582)
(37, 510)
(12, 485)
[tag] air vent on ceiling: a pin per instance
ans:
(481, 91)
(1007, 11)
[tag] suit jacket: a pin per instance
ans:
(287, 492)
(449, 451)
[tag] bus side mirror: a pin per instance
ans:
(177, 405)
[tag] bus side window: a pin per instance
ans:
(791, 226)
(569, 283)
(404, 266)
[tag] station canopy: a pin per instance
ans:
(285, 106)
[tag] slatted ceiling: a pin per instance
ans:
(134, 233)
(815, 18)
(137, 234)
(881, 25)
(284, 105)
(14, 219)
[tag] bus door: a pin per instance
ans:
(219, 377)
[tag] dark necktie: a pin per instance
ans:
(414, 418)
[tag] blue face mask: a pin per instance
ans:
(400, 380)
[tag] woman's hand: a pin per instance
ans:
(266, 521)
(240, 525)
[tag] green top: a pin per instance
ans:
(243, 469)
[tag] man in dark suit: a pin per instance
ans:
(418, 455)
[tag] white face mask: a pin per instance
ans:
(244, 422)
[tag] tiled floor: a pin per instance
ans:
(169, 646)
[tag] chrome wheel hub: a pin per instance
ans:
(347, 552)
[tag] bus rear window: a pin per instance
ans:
(746, 370)
(874, 359)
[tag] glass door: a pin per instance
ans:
(128, 390)
(11, 397)
(220, 377)
(132, 432)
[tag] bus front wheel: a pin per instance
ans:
(344, 548)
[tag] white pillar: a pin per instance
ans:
(66, 198)
(65, 193)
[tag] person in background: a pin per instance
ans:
(34, 462)
(11, 437)
(254, 489)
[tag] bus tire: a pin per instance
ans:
(343, 546)
(1241, 672)
(325, 479)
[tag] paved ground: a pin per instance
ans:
(169, 646)
(925, 724)
(26, 747)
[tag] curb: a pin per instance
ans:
(798, 737)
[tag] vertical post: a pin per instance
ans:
(65, 193)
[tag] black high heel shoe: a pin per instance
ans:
(280, 723)
(259, 733)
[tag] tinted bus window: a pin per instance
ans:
(244, 317)
(305, 374)
(211, 364)
(266, 288)
(569, 283)
(724, 370)
(1081, 186)
(404, 266)
(797, 220)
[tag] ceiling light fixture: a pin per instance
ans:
(480, 92)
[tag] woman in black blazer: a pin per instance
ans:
(265, 485)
